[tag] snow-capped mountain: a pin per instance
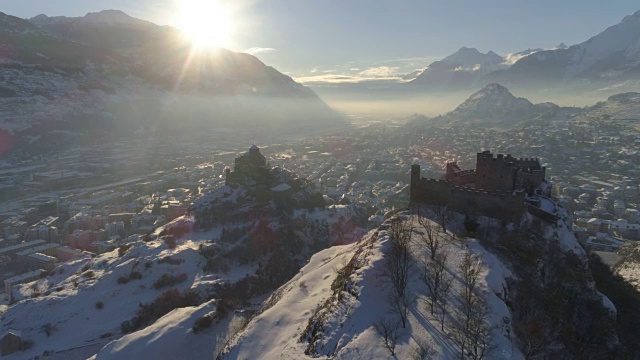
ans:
(461, 68)
(612, 55)
(512, 58)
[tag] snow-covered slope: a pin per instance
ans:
(611, 55)
(330, 309)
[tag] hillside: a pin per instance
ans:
(108, 76)
(346, 295)
(341, 305)
(150, 284)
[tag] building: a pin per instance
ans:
(65, 253)
(498, 187)
(15, 249)
(41, 261)
(251, 164)
(23, 278)
(42, 232)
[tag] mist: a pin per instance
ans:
(396, 101)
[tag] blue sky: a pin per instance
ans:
(378, 37)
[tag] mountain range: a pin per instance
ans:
(610, 57)
(112, 73)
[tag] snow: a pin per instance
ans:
(71, 303)
(347, 330)
(281, 188)
(170, 337)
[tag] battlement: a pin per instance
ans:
(496, 188)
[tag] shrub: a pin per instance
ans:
(135, 275)
(171, 242)
(202, 323)
(49, 328)
(170, 260)
(123, 249)
(148, 265)
(167, 280)
(123, 280)
(99, 305)
(163, 304)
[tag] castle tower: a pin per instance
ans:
(415, 179)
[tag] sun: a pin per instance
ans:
(206, 23)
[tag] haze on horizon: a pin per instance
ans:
(319, 42)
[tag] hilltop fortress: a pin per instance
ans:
(498, 187)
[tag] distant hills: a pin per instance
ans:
(495, 106)
(110, 72)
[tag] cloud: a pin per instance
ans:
(345, 79)
(258, 50)
(380, 72)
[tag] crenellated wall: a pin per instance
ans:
(504, 205)
(494, 173)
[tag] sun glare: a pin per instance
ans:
(207, 23)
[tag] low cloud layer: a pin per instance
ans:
(258, 50)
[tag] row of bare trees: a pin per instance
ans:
(470, 328)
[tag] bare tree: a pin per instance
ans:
(459, 334)
(471, 330)
(434, 273)
(424, 350)
(532, 338)
(470, 268)
(430, 236)
(442, 214)
(443, 300)
(388, 330)
(398, 266)
(479, 343)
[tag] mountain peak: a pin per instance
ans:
(110, 17)
(494, 88)
(471, 56)
(632, 17)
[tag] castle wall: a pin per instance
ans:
(501, 205)
(459, 177)
(494, 173)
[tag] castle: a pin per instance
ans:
(496, 188)
(251, 164)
